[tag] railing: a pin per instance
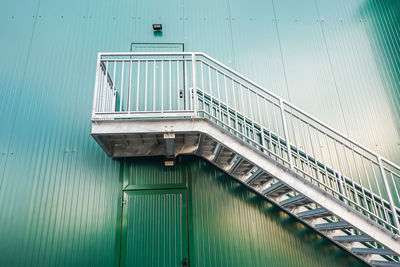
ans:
(132, 85)
(160, 85)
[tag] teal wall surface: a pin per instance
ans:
(338, 60)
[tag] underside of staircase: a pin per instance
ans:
(272, 162)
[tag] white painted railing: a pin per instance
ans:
(160, 85)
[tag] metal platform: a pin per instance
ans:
(149, 104)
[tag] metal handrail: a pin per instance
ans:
(296, 108)
(185, 84)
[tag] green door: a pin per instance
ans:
(154, 228)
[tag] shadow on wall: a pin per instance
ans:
(286, 223)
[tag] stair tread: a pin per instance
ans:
(353, 238)
(254, 176)
(277, 187)
(296, 200)
(333, 226)
(385, 263)
(379, 251)
(314, 213)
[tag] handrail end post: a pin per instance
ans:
(195, 104)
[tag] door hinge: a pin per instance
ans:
(123, 201)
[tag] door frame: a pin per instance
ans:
(121, 245)
(167, 43)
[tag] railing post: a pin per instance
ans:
(195, 105)
(96, 84)
(286, 133)
(387, 188)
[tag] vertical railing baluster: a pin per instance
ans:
(154, 85)
(286, 133)
(103, 103)
(323, 159)
(307, 165)
(145, 84)
(96, 85)
(114, 88)
(236, 123)
(162, 86)
(313, 152)
(342, 186)
(253, 136)
(349, 175)
(188, 95)
(202, 87)
(211, 93)
(295, 140)
(278, 134)
(382, 203)
(128, 105)
(178, 86)
(221, 116)
(227, 103)
(137, 86)
(373, 203)
(387, 188)
(260, 122)
(331, 164)
(170, 85)
(195, 104)
(360, 181)
(121, 101)
(395, 186)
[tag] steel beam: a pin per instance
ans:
(170, 143)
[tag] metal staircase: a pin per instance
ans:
(188, 103)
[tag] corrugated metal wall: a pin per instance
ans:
(59, 191)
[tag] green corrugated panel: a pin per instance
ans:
(143, 172)
(59, 192)
(362, 39)
(207, 28)
(265, 66)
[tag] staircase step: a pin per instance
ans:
(258, 178)
(278, 188)
(313, 214)
(236, 165)
(377, 251)
(298, 200)
(254, 176)
(353, 238)
(385, 263)
(333, 226)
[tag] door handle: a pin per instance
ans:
(184, 262)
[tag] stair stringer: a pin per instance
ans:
(256, 157)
